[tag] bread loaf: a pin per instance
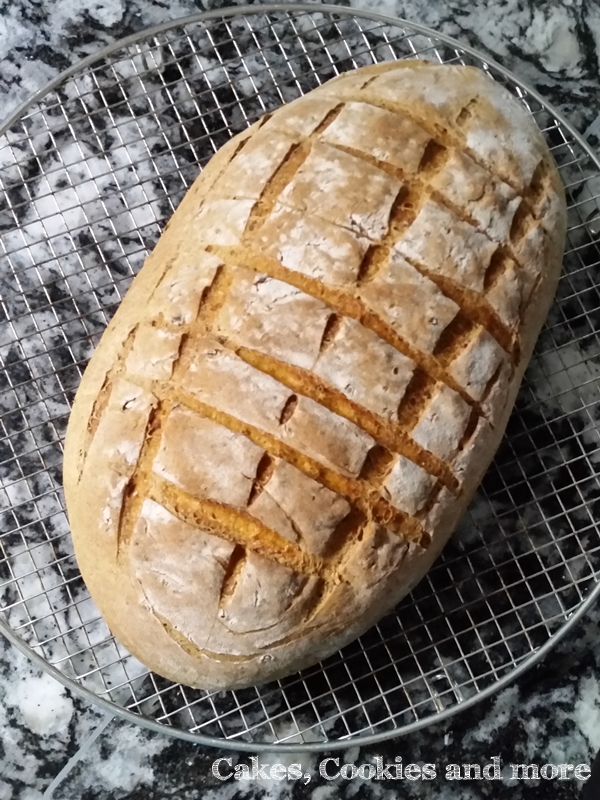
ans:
(306, 382)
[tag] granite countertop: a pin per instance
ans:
(54, 744)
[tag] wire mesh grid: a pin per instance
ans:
(90, 171)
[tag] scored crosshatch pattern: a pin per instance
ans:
(89, 176)
(184, 389)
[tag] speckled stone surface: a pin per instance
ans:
(53, 744)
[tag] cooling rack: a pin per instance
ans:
(91, 168)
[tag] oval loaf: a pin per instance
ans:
(306, 382)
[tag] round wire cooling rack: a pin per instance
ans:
(91, 168)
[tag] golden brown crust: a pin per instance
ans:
(305, 384)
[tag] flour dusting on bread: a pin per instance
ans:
(302, 389)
